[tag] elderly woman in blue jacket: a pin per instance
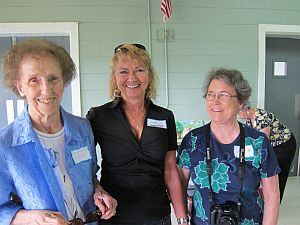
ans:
(47, 156)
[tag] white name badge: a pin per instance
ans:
(157, 123)
(81, 154)
(249, 152)
(236, 151)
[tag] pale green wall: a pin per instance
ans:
(208, 33)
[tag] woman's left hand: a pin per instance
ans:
(106, 204)
(38, 217)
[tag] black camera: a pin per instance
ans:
(225, 214)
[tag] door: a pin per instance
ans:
(13, 104)
(282, 92)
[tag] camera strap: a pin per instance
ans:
(241, 169)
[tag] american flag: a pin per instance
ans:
(166, 8)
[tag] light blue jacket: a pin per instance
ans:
(26, 171)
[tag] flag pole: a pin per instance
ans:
(166, 65)
(166, 7)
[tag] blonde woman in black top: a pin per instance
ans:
(138, 143)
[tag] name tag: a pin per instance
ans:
(157, 123)
(249, 151)
(81, 154)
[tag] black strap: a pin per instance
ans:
(241, 169)
(209, 168)
(251, 124)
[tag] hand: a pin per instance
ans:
(106, 204)
(38, 217)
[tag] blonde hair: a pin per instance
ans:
(140, 54)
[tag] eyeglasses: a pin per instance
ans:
(119, 48)
(223, 96)
(91, 217)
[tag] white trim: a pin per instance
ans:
(52, 29)
(270, 30)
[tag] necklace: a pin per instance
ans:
(137, 125)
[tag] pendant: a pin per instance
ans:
(137, 128)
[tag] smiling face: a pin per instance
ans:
(222, 112)
(131, 78)
(41, 83)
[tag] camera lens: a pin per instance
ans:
(225, 214)
(226, 220)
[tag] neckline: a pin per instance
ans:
(228, 144)
(137, 124)
(45, 135)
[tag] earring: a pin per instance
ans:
(117, 93)
(148, 89)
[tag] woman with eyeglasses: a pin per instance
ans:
(281, 138)
(227, 161)
(138, 143)
(48, 162)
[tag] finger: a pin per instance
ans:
(108, 214)
(50, 217)
(110, 202)
(107, 202)
(101, 205)
(112, 208)
(55, 218)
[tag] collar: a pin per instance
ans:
(71, 126)
(118, 102)
(24, 132)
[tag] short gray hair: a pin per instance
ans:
(233, 78)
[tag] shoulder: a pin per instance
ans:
(263, 112)
(255, 135)
(75, 123)
(6, 135)
(101, 110)
(195, 135)
(17, 132)
(159, 110)
(250, 131)
(199, 131)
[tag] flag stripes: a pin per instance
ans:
(166, 8)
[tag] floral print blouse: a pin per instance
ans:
(279, 133)
(260, 162)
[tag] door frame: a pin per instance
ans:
(52, 29)
(264, 31)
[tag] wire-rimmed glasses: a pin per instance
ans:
(222, 96)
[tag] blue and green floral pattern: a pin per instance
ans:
(260, 163)
(200, 212)
(219, 178)
(257, 145)
(249, 222)
(184, 159)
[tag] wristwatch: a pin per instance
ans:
(182, 220)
